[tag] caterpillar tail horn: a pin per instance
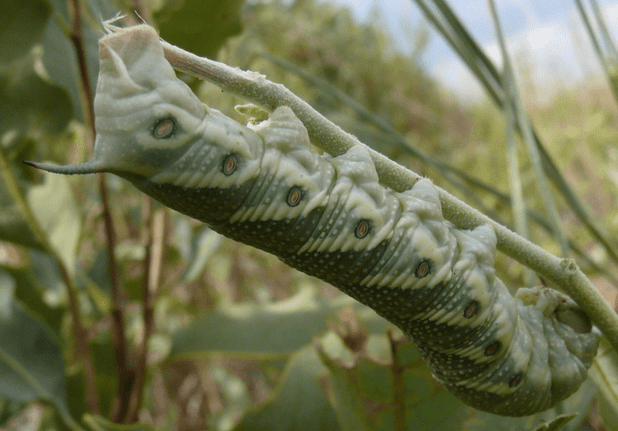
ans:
(89, 167)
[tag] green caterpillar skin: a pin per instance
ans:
(330, 217)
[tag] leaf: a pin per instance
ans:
(54, 207)
(31, 364)
(204, 244)
(31, 293)
(604, 374)
(199, 26)
(557, 423)
(97, 423)
(28, 103)
(270, 330)
(299, 402)
(363, 390)
(21, 26)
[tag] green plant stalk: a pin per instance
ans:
(514, 99)
(518, 208)
(482, 74)
(597, 48)
(466, 52)
(254, 87)
(609, 42)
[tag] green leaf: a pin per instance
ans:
(30, 104)
(54, 207)
(31, 364)
(204, 244)
(31, 293)
(364, 391)
(557, 423)
(604, 374)
(199, 26)
(97, 423)
(21, 26)
(299, 402)
(106, 373)
(261, 331)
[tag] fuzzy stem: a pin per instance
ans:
(254, 87)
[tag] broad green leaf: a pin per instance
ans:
(557, 423)
(55, 209)
(271, 330)
(97, 423)
(21, 26)
(199, 26)
(604, 374)
(363, 390)
(299, 402)
(31, 364)
(76, 392)
(106, 372)
(29, 104)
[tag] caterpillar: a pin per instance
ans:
(262, 185)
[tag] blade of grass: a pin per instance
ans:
(574, 202)
(466, 52)
(607, 69)
(518, 207)
(516, 108)
(609, 42)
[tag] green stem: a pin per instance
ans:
(514, 99)
(328, 136)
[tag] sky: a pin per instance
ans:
(546, 35)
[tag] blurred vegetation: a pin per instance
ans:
(236, 339)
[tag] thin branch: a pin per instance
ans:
(399, 394)
(80, 334)
(154, 244)
(118, 337)
(251, 86)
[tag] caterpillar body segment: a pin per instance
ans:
(331, 218)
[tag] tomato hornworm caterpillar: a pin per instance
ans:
(331, 218)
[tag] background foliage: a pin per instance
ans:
(179, 328)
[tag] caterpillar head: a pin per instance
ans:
(145, 117)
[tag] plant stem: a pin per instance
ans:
(329, 137)
(80, 334)
(399, 394)
(154, 244)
